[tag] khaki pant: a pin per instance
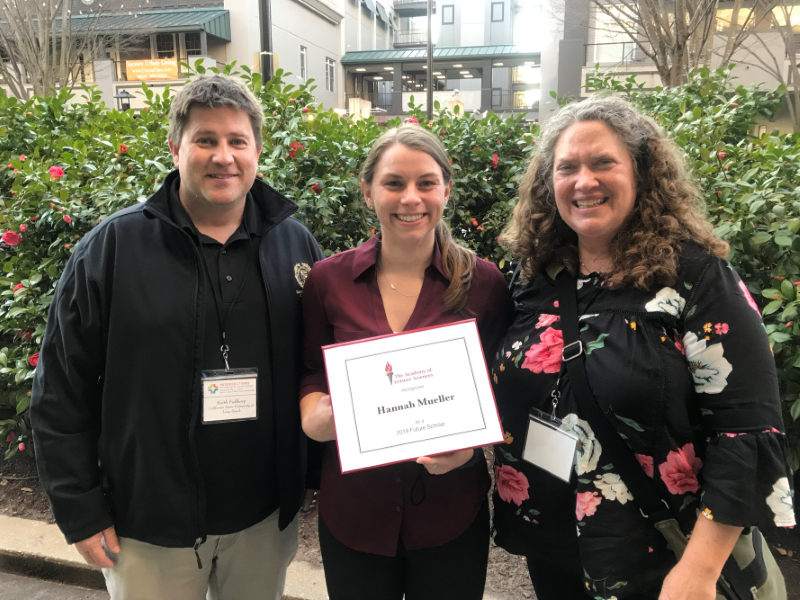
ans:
(249, 565)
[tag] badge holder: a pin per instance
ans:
(547, 446)
(229, 395)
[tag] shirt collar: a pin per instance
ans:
(250, 219)
(366, 256)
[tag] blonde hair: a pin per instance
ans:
(668, 210)
(458, 262)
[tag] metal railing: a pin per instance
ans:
(410, 37)
(378, 99)
(512, 99)
(615, 53)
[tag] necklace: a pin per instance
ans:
(391, 285)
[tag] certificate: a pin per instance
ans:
(418, 393)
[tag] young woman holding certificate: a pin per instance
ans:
(419, 529)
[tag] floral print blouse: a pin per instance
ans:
(686, 375)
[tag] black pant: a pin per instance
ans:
(453, 571)
(557, 581)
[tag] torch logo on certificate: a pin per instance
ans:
(419, 393)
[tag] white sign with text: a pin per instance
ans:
(419, 393)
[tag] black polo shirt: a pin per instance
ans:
(238, 460)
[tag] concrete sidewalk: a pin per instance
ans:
(36, 549)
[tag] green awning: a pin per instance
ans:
(214, 22)
(421, 54)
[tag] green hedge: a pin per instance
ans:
(113, 159)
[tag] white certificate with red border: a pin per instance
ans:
(418, 393)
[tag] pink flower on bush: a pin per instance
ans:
(546, 320)
(679, 472)
(11, 437)
(55, 172)
(316, 188)
(21, 447)
(511, 484)
(12, 238)
(748, 297)
(474, 221)
(494, 161)
(67, 219)
(412, 120)
(34, 360)
(721, 328)
(646, 462)
(19, 286)
(123, 148)
(295, 146)
(22, 157)
(586, 504)
(546, 355)
(306, 109)
(23, 228)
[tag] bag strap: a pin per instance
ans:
(652, 507)
(650, 504)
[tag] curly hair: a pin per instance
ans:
(668, 210)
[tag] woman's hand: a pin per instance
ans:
(689, 582)
(444, 463)
(696, 574)
(317, 417)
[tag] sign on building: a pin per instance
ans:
(150, 69)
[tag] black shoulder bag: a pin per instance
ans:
(758, 577)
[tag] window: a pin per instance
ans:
(165, 45)
(303, 63)
(192, 41)
(497, 97)
(330, 83)
(497, 11)
(448, 14)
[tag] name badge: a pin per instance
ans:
(230, 396)
(549, 447)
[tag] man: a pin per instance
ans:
(165, 402)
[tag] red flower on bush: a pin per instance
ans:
(123, 148)
(11, 437)
(295, 146)
(474, 147)
(21, 447)
(22, 157)
(721, 155)
(23, 228)
(10, 166)
(316, 188)
(474, 221)
(19, 286)
(55, 172)
(34, 360)
(67, 219)
(33, 219)
(479, 228)
(494, 161)
(443, 132)
(412, 120)
(734, 105)
(306, 109)
(260, 176)
(12, 238)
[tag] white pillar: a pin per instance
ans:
(552, 14)
(245, 23)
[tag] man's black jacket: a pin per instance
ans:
(118, 379)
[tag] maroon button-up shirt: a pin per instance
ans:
(371, 510)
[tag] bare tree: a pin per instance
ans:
(679, 35)
(780, 60)
(41, 45)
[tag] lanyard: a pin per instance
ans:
(224, 348)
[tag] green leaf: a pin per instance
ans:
(772, 307)
(629, 422)
(787, 289)
(23, 405)
(795, 410)
(506, 455)
(760, 238)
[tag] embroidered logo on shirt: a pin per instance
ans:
(301, 272)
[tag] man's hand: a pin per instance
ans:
(444, 463)
(91, 549)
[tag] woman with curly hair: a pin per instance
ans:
(677, 362)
